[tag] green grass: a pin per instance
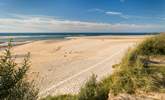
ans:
(93, 90)
(135, 73)
(152, 46)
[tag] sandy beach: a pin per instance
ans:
(63, 66)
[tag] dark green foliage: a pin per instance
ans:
(13, 84)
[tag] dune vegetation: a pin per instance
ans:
(14, 84)
(141, 70)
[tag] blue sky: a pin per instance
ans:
(82, 15)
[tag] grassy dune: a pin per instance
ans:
(142, 70)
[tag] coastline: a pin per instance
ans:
(72, 61)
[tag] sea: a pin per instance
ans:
(28, 37)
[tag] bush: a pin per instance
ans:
(13, 83)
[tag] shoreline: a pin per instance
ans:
(111, 37)
(69, 59)
(16, 43)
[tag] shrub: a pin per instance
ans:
(13, 83)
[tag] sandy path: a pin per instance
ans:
(62, 67)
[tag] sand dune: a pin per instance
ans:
(63, 66)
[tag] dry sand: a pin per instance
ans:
(63, 66)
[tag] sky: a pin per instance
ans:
(82, 16)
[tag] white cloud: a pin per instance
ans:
(109, 13)
(116, 14)
(50, 24)
(113, 13)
